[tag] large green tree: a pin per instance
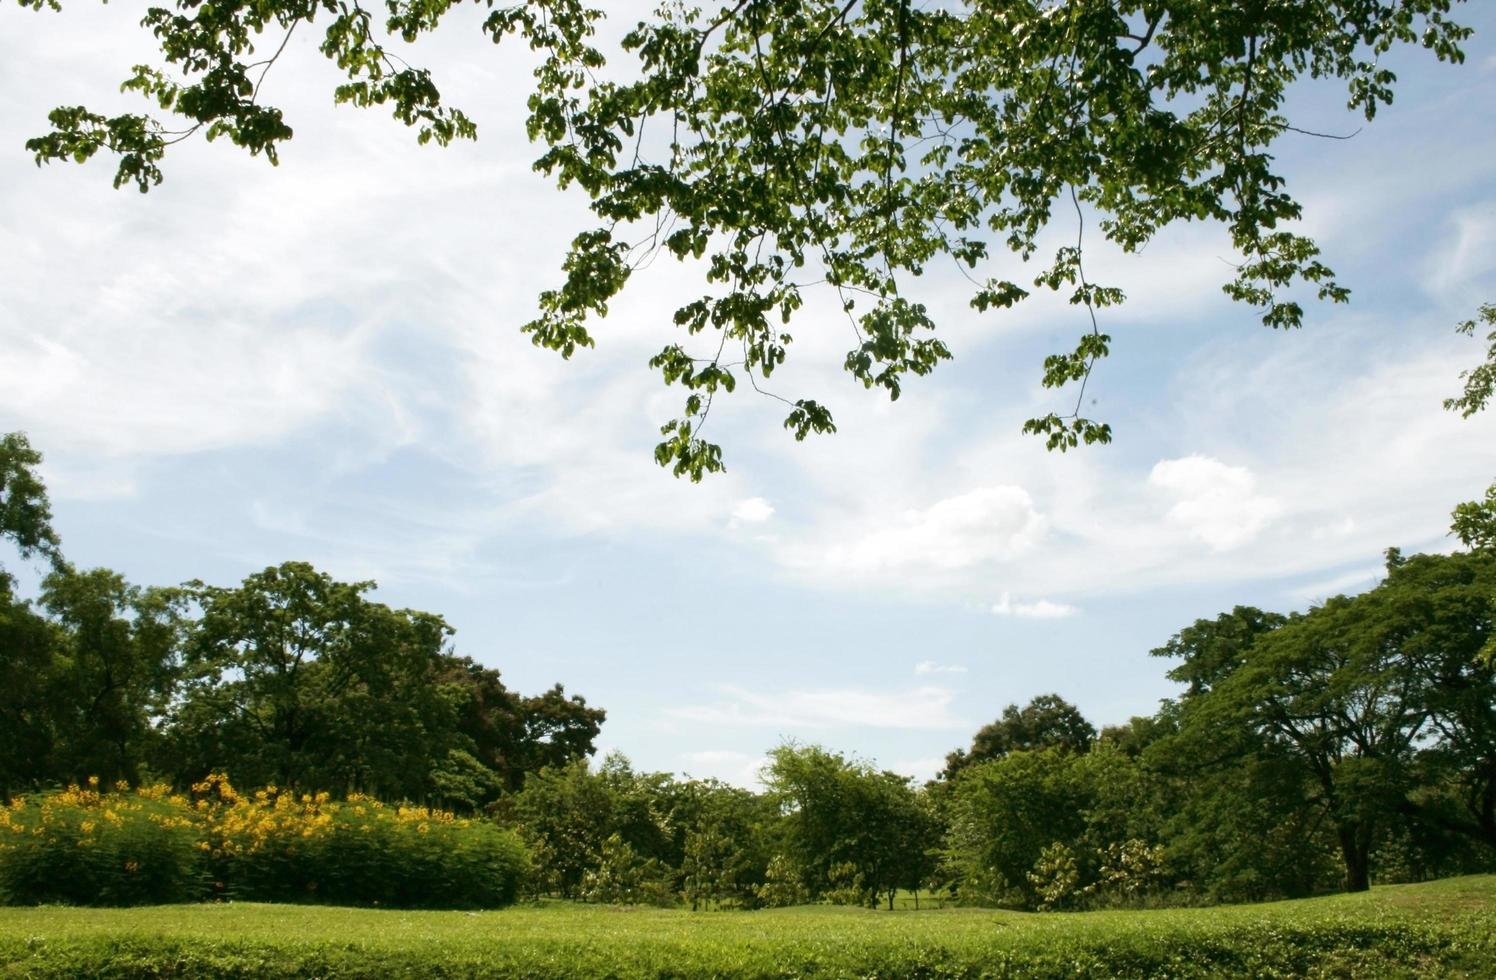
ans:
(848, 143)
(1371, 710)
(1438, 613)
(295, 678)
(113, 674)
(27, 641)
(512, 735)
(847, 826)
(1047, 720)
(569, 815)
(28, 649)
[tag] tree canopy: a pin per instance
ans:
(849, 144)
(1047, 721)
(25, 513)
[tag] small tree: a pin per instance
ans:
(783, 884)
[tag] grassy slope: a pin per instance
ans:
(1437, 929)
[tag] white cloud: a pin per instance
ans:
(1038, 609)
(931, 667)
(754, 510)
(738, 768)
(1218, 504)
(923, 708)
(989, 524)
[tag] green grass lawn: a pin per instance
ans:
(1441, 929)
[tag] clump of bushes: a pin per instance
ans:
(86, 847)
(82, 846)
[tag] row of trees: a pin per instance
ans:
(1352, 743)
(825, 827)
(290, 678)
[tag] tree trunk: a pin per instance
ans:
(1355, 850)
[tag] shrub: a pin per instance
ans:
(622, 877)
(782, 884)
(1055, 877)
(277, 846)
(83, 847)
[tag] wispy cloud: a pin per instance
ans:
(792, 711)
(754, 510)
(931, 667)
(1035, 609)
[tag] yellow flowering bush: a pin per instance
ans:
(84, 846)
(280, 846)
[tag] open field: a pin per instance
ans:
(1441, 929)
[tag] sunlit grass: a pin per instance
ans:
(1436, 929)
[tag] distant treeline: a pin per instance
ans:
(1330, 749)
(1308, 753)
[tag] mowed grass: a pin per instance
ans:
(1440, 929)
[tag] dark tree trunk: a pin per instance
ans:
(1355, 850)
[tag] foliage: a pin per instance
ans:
(81, 846)
(1442, 930)
(291, 678)
(301, 681)
(28, 642)
(1047, 720)
(622, 877)
(845, 144)
(1054, 878)
(1006, 812)
(112, 672)
(279, 846)
(1480, 381)
(846, 825)
(25, 514)
(1474, 522)
(1368, 710)
(725, 861)
(569, 814)
(1130, 871)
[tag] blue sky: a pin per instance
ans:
(321, 361)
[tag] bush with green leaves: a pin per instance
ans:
(623, 877)
(80, 846)
(283, 847)
(148, 846)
